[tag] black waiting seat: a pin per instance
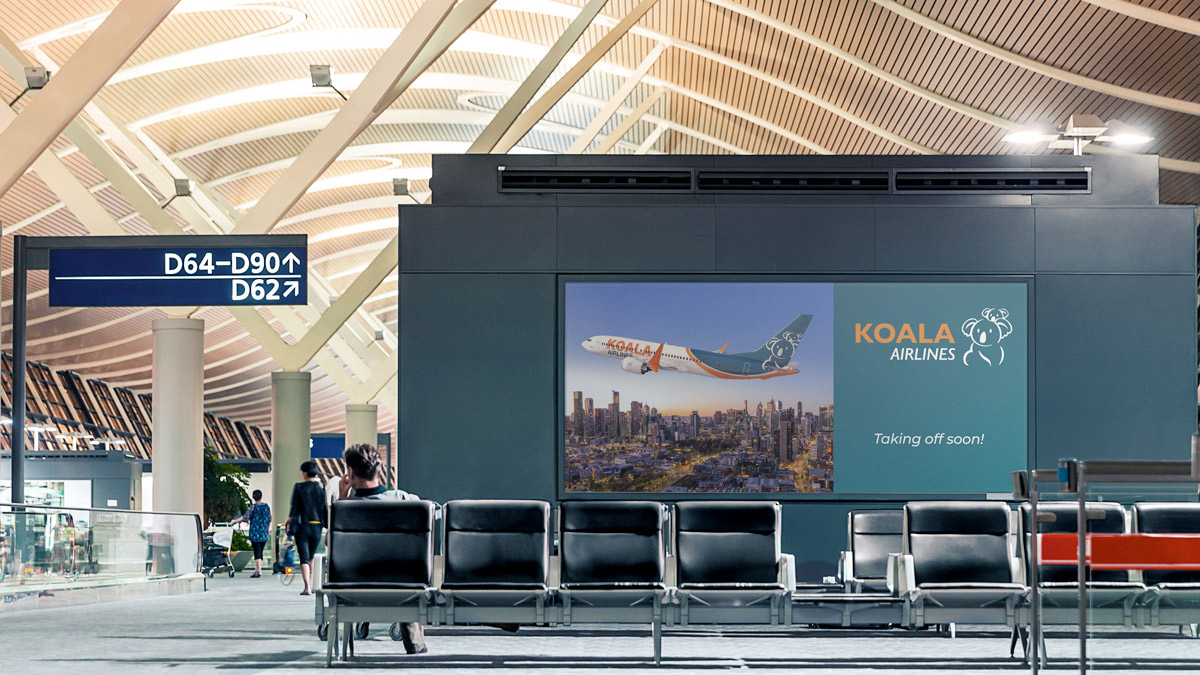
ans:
(727, 544)
(496, 560)
(870, 538)
(612, 564)
(1058, 585)
(612, 543)
(960, 564)
(380, 544)
(728, 557)
(380, 564)
(1174, 595)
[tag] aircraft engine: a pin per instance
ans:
(634, 366)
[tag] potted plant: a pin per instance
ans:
(241, 551)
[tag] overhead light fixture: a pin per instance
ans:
(5, 420)
(400, 187)
(1028, 136)
(75, 437)
(36, 77)
(183, 188)
(108, 442)
(1079, 132)
(1119, 133)
(322, 76)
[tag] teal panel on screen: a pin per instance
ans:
(931, 384)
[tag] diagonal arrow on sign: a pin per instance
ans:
(291, 288)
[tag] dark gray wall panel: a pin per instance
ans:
(954, 239)
(1116, 367)
(471, 180)
(1135, 240)
(477, 383)
(1124, 180)
(477, 238)
(632, 239)
(791, 239)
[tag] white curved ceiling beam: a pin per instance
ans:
(67, 353)
(511, 110)
(601, 118)
(627, 124)
(89, 24)
(550, 98)
(887, 76)
(77, 82)
(208, 349)
(377, 92)
(1154, 16)
(1164, 102)
(368, 177)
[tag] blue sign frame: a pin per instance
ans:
(179, 275)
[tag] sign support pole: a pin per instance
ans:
(20, 269)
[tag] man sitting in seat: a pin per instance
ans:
(363, 469)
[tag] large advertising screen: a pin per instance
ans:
(730, 386)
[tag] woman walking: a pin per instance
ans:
(259, 518)
(307, 518)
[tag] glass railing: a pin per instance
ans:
(52, 546)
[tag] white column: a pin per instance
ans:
(178, 417)
(362, 424)
(291, 415)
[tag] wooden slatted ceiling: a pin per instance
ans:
(1068, 34)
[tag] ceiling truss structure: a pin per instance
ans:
(215, 94)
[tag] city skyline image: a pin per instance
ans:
(698, 386)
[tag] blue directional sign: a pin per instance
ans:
(179, 276)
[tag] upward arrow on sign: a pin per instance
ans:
(291, 261)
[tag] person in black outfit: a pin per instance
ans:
(307, 517)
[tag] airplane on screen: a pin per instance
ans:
(770, 360)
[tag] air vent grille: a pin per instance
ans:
(796, 182)
(792, 182)
(595, 180)
(992, 182)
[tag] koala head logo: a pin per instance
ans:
(782, 347)
(986, 334)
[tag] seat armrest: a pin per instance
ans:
(1018, 571)
(846, 570)
(554, 574)
(787, 571)
(439, 570)
(318, 571)
(671, 572)
(900, 579)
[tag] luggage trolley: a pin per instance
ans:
(216, 545)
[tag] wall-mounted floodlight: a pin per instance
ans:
(183, 188)
(378, 335)
(322, 76)
(1080, 131)
(400, 187)
(36, 77)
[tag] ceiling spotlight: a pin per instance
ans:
(183, 188)
(322, 76)
(1080, 131)
(400, 187)
(1119, 133)
(1028, 136)
(36, 77)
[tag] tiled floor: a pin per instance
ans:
(257, 625)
